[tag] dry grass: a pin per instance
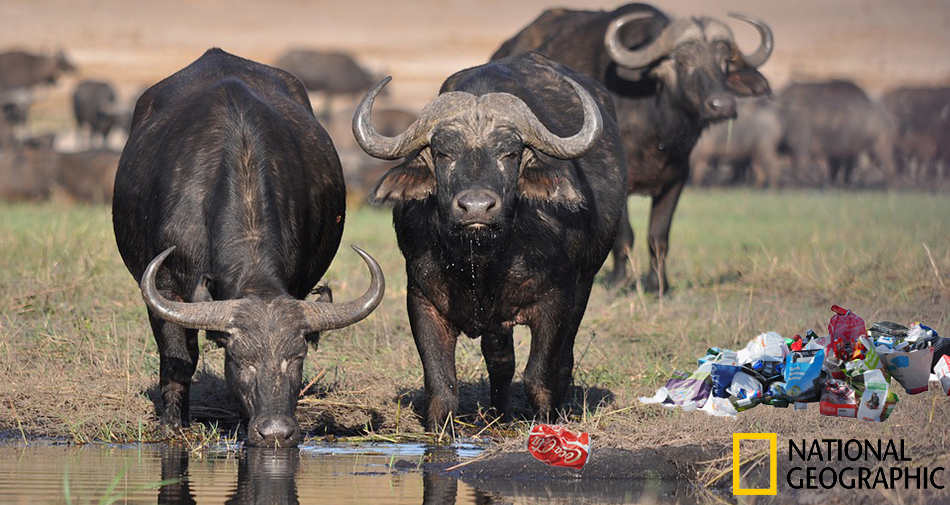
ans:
(77, 359)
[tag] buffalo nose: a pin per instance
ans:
(477, 204)
(274, 431)
(721, 106)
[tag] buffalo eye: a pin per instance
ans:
(510, 156)
(441, 156)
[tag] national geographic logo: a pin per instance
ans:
(773, 463)
(870, 464)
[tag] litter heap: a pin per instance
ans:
(847, 372)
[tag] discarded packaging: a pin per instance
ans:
(847, 372)
(802, 370)
(875, 392)
(911, 369)
(838, 399)
(558, 446)
(845, 329)
(942, 370)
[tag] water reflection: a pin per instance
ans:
(269, 476)
(175, 468)
(315, 474)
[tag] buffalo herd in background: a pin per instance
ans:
(810, 134)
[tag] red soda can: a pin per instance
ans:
(558, 446)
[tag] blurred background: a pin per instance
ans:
(123, 47)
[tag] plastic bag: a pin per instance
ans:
(845, 329)
(911, 369)
(684, 389)
(802, 370)
(744, 386)
(769, 346)
(722, 375)
(694, 387)
(719, 407)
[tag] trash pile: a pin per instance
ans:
(847, 372)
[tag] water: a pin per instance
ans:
(51, 472)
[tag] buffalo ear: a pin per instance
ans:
(548, 182)
(748, 82)
(411, 180)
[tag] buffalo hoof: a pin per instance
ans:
(618, 280)
(651, 284)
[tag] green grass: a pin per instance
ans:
(77, 358)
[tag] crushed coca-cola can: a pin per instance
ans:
(558, 446)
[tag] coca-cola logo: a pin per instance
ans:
(558, 446)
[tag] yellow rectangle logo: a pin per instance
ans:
(773, 463)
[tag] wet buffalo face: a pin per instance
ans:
(476, 156)
(263, 365)
(476, 169)
(265, 340)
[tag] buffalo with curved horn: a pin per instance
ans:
(668, 79)
(506, 205)
(229, 207)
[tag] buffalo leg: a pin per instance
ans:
(550, 361)
(621, 250)
(178, 348)
(435, 340)
(499, 352)
(661, 218)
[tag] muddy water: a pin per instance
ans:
(49, 472)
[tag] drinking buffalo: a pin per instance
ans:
(506, 205)
(228, 208)
(668, 79)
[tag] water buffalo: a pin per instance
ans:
(506, 205)
(329, 72)
(923, 137)
(229, 206)
(15, 106)
(750, 141)
(668, 79)
(95, 106)
(19, 69)
(7, 138)
(26, 173)
(88, 176)
(834, 122)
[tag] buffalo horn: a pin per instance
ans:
(674, 33)
(537, 135)
(761, 55)
(416, 136)
(331, 316)
(213, 316)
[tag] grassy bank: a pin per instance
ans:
(77, 358)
